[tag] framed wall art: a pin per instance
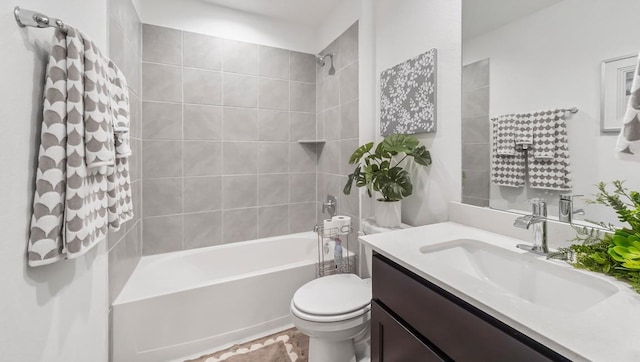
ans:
(615, 88)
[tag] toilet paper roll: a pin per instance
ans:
(343, 224)
(329, 228)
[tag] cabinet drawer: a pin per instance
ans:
(457, 331)
(392, 342)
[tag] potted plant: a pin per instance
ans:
(380, 170)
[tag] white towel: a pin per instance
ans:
(628, 143)
(506, 170)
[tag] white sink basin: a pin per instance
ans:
(465, 262)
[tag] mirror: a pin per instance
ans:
(522, 56)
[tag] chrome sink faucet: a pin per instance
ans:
(538, 219)
(565, 208)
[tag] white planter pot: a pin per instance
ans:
(388, 214)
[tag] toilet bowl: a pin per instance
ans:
(334, 311)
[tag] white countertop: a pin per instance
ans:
(607, 331)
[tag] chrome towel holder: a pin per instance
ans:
(35, 19)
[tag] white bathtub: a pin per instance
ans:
(182, 303)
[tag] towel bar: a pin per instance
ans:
(35, 19)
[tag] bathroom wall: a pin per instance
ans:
(337, 122)
(56, 312)
(405, 29)
(207, 18)
(125, 48)
(572, 61)
(221, 121)
(475, 133)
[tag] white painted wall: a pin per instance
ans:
(205, 18)
(405, 29)
(56, 312)
(339, 20)
(552, 59)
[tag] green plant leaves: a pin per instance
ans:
(379, 171)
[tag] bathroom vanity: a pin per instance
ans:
(449, 291)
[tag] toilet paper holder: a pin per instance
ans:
(338, 229)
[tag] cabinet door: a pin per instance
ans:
(391, 342)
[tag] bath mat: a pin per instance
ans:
(290, 345)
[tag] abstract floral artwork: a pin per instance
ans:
(408, 96)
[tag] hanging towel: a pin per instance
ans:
(548, 161)
(506, 170)
(504, 128)
(628, 143)
(545, 128)
(118, 178)
(524, 131)
(76, 155)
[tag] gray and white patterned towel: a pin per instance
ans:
(70, 212)
(548, 162)
(628, 143)
(506, 170)
(504, 128)
(524, 131)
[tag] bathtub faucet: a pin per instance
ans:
(330, 205)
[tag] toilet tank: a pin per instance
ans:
(368, 226)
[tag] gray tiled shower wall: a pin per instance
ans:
(475, 133)
(125, 49)
(221, 121)
(337, 115)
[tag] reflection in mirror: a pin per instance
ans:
(521, 57)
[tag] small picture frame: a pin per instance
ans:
(615, 88)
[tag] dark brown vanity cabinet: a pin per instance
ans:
(415, 320)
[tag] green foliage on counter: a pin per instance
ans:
(616, 254)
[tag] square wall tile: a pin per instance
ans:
(202, 158)
(273, 125)
(303, 157)
(273, 62)
(161, 159)
(302, 217)
(475, 102)
(240, 90)
(202, 194)
(135, 160)
(273, 94)
(273, 221)
(202, 86)
(273, 157)
(202, 122)
(202, 229)
(239, 191)
(349, 120)
(303, 97)
(329, 185)
(332, 124)
(240, 57)
(202, 51)
(302, 187)
(329, 158)
(161, 120)
(349, 83)
(273, 189)
(332, 91)
(239, 225)
(347, 147)
(476, 184)
(348, 45)
(162, 196)
(240, 124)
(303, 126)
(162, 234)
(240, 158)
(135, 115)
(476, 129)
(348, 204)
(476, 157)
(475, 75)
(161, 45)
(303, 67)
(161, 82)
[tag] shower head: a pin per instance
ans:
(320, 59)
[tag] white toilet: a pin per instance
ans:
(334, 311)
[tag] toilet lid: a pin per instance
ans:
(333, 295)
